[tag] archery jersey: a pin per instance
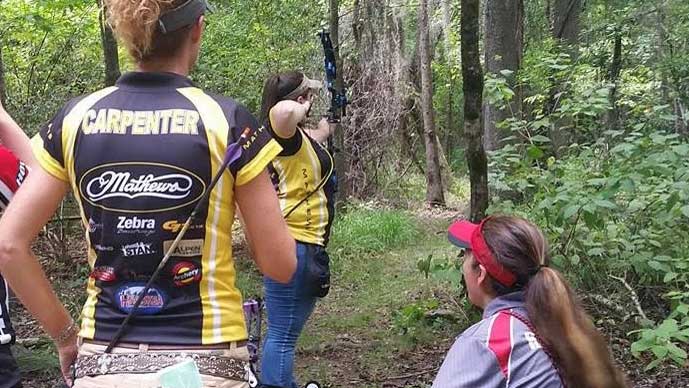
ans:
(138, 157)
(12, 174)
(305, 183)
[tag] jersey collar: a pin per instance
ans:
(137, 79)
(505, 302)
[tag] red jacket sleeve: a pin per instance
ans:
(12, 174)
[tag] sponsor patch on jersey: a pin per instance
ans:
(185, 273)
(136, 225)
(152, 303)
(138, 187)
(22, 172)
(174, 226)
(137, 249)
(103, 248)
(185, 248)
(93, 225)
(104, 274)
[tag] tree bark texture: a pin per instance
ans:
(110, 55)
(3, 92)
(565, 27)
(340, 157)
(564, 20)
(613, 77)
(503, 45)
(472, 76)
(434, 183)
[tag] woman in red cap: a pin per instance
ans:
(534, 333)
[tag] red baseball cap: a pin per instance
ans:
(465, 234)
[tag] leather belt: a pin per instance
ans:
(130, 345)
(141, 363)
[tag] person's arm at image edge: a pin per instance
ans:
(29, 210)
(14, 138)
(273, 248)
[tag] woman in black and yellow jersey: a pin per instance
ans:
(138, 156)
(303, 177)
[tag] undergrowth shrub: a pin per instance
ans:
(360, 230)
(615, 209)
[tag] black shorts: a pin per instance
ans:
(9, 372)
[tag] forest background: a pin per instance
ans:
(572, 113)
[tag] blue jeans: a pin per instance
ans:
(288, 309)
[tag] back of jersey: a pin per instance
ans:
(138, 157)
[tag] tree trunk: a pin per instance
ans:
(564, 27)
(564, 20)
(110, 55)
(473, 92)
(612, 118)
(3, 95)
(450, 60)
(681, 118)
(344, 189)
(434, 184)
(504, 41)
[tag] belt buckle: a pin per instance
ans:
(104, 361)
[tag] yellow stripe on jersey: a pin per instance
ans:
(47, 162)
(223, 318)
(71, 124)
(88, 312)
(258, 164)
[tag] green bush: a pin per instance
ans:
(620, 206)
(365, 230)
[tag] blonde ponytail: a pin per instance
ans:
(135, 22)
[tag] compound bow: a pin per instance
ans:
(338, 98)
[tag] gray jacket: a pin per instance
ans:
(499, 351)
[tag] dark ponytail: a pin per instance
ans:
(276, 87)
(560, 321)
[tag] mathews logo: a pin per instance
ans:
(104, 274)
(140, 187)
(185, 273)
(137, 249)
(152, 303)
(185, 248)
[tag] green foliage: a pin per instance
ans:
(661, 342)
(361, 230)
(618, 205)
(446, 268)
(245, 42)
(411, 320)
(38, 360)
(47, 57)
